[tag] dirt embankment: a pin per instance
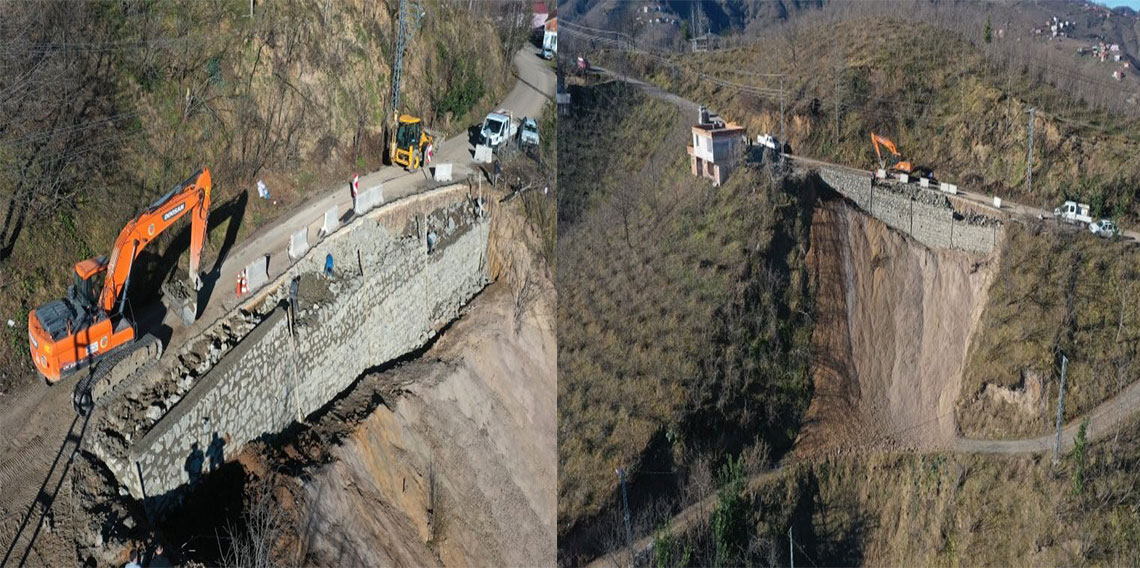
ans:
(460, 468)
(893, 324)
(449, 459)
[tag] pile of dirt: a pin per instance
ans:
(894, 321)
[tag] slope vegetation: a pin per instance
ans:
(112, 104)
(1055, 292)
(904, 509)
(933, 93)
(684, 313)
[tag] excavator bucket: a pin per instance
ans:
(181, 299)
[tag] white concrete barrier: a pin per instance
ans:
(997, 202)
(257, 273)
(924, 182)
(949, 188)
(299, 243)
(881, 174)
(904, 178)
(483, 154)
(369, 198)
(331, 221)
(443, 172)
(376, 195)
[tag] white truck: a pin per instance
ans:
(1073, 212)
(497, 128)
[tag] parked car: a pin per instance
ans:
(1103, 228)
(528, 134)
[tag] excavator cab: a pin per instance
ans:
(410, 138)
(89, 278)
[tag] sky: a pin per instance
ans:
(1134, 4)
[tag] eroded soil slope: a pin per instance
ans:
(894, 320)
(457, 467)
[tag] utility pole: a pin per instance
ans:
(251, 9)
(1029, 167)
(398, 66)
(625, 504)
(782, 140)
(837, 111)
(1060, 411)
(791, 553)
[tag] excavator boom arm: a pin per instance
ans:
(191, 196)
(877, 141)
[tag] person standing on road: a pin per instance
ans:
(355, 187)
(133, 562)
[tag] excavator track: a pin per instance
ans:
(109, 376)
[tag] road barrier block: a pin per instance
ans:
(949, 188)
(257, 273)
(924, 182)
(299, 243)
(331, 221)
(904, 178)
(483, 154)
(881, 174)
(443, 172)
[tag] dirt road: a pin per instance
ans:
(37, 421)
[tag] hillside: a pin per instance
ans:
(931, 92)
(902, 345)
(907, 509)
(684, 314)
(1055, 292)
(298, 96)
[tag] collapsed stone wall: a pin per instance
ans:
(259, 369)
(925, 214)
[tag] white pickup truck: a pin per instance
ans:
(1073, 212)
(497, 128)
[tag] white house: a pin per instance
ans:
(715, 147)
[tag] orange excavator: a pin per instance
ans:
(90, 325)
(898, 164)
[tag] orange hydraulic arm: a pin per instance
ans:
(191, 196)
(900, 165)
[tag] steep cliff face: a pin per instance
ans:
(459, 470)
(894, 321)
(458, 467)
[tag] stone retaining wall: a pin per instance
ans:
(388, 298)
(925, 214)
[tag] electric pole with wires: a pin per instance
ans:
(1029, 164)
(625, 505)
